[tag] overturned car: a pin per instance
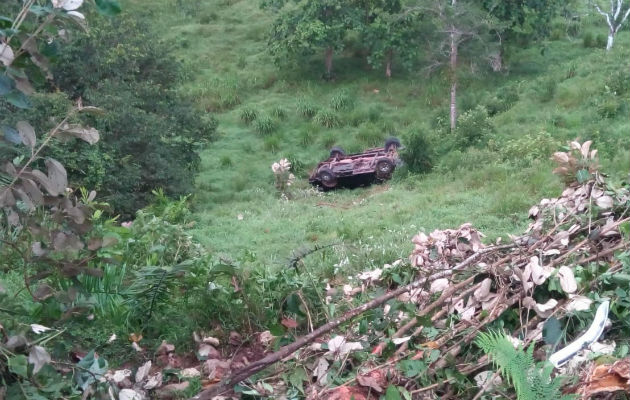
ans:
(341, 169)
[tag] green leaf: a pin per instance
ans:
(11, 135)
(625, 229)
(108, 7)
(18, 99)
(392, 393)
(297, 378)
(6, 85)
(18, 365)
(583, 175)
(552, 331)
(91, 365)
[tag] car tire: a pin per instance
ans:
(337, 152)
(392, 143)
(327, 178)
(384, 169)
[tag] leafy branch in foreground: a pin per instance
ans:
(531, 380)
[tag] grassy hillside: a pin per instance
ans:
(563, 91)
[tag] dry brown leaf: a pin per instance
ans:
(567, 279)
(606, 378)
(289, 323)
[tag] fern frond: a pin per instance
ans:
(531, 381)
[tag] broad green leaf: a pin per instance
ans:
(18, 99)
(108, 7)
(18, 365)
(6, 85)
(297, 378)
(552, 331)
(392, 393)
(11, 135)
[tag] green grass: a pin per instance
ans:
(561, 91)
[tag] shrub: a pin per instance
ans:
(225, 161)
(503, 100)
(327, 118)
(608, 107)
(341, 101)
(149, 134)
(417, 154)
(264, 124)
(473, 127)
(527, 148)
(279, 113)
(618, 83)
(248, 115)
(306, 108)
(547, 89)
(587, 40)
(601, 41)
(306, 137)
(272, 143)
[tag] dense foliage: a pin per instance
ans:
(150, 134)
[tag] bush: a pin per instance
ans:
(417, 154)
(503, 100)
(341, 101)
(306, 108)
(248, 115)
(527, 148)
(618, 83)
(473, 127)
(149, 134)
(279, 113)
(588, 40)
(272, 143)
(547, 89)
(327, 118)
(608, 107)
(265, 125)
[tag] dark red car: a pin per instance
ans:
(377, 164)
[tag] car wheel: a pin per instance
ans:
(384, 169)
(327, 178)
(337, 152)
(392, 143)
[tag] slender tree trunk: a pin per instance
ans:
(611, 39)
(388, 63)
(453, 73)
(329, 61)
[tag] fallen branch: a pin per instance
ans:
(272, 358)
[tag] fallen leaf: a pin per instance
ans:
(579, 303)
(190, 373)
(604, 202)
(38, 356)
(37, 329)
(346, 393)
(143, 371)
(401, 340)
(375, 380)
(439, 285)
(153, 381)
(321, 371)
(606, 378)
(289, 323)
(129, 394)
(338, 346)
(567, 279)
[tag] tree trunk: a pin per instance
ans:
(329, 61)
(453, 73)
(611, 39)
(388, 64)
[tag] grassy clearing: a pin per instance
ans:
(266, 114)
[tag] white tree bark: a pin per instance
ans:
(612, 19)
(453, 68)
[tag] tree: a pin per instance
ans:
(389, 31)
(461, 27)
(304, 27)
(614, 19)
